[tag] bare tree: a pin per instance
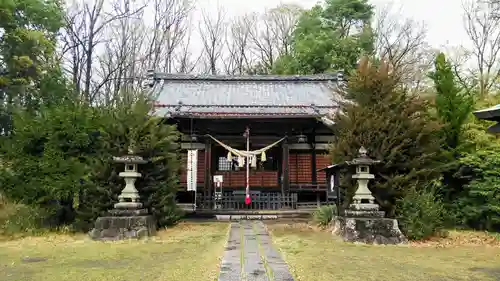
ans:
(117, 60)
(137, 47)
(170, 27)
(73, 44)
(284, 19)
(403, 43)
(483, 29)
(238, 43)
(213, 32)
(85, 25)
(108, 46)
(271, 37)
(458, 56)
(184, 60)
(495, 7)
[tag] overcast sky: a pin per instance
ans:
(443, 18)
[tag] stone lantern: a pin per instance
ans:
(129, 197)
(128, 219)
(362, 176)
(363, 221)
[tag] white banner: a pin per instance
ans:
(192, 169)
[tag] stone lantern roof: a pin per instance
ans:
(362, 159)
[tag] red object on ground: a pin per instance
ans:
(248, 200)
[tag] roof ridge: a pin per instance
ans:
(158, 104)
(251, 78)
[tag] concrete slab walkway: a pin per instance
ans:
(249, 255)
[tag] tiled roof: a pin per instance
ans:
(245, 96)
(491, 113)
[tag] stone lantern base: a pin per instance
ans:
(366, 224)
(124, 223)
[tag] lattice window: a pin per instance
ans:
(224, 164)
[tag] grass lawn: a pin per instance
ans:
(184, 253)
(314, 255)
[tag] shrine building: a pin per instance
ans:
(285, 120)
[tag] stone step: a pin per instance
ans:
(245, 217)
(250, 215)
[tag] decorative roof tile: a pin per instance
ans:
(231, 96)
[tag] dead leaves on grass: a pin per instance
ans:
(461, 238)
(455, 238)
(296, 226)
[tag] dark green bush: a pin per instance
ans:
(394, 126)
(61, 160)
(324, 215)
(152, 139)
(480, 200)
(420, 214)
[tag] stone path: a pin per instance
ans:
(249, 255)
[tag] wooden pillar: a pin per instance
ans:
(336, 182)
(208, 168)
(285, 171)
(314, 174)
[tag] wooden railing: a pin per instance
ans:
(308, 186)
(262, 201)
(308, 205)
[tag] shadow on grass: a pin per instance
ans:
(490, 271)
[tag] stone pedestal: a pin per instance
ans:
(365, 223)
(124, 223)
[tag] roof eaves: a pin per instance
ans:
(491, 113)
